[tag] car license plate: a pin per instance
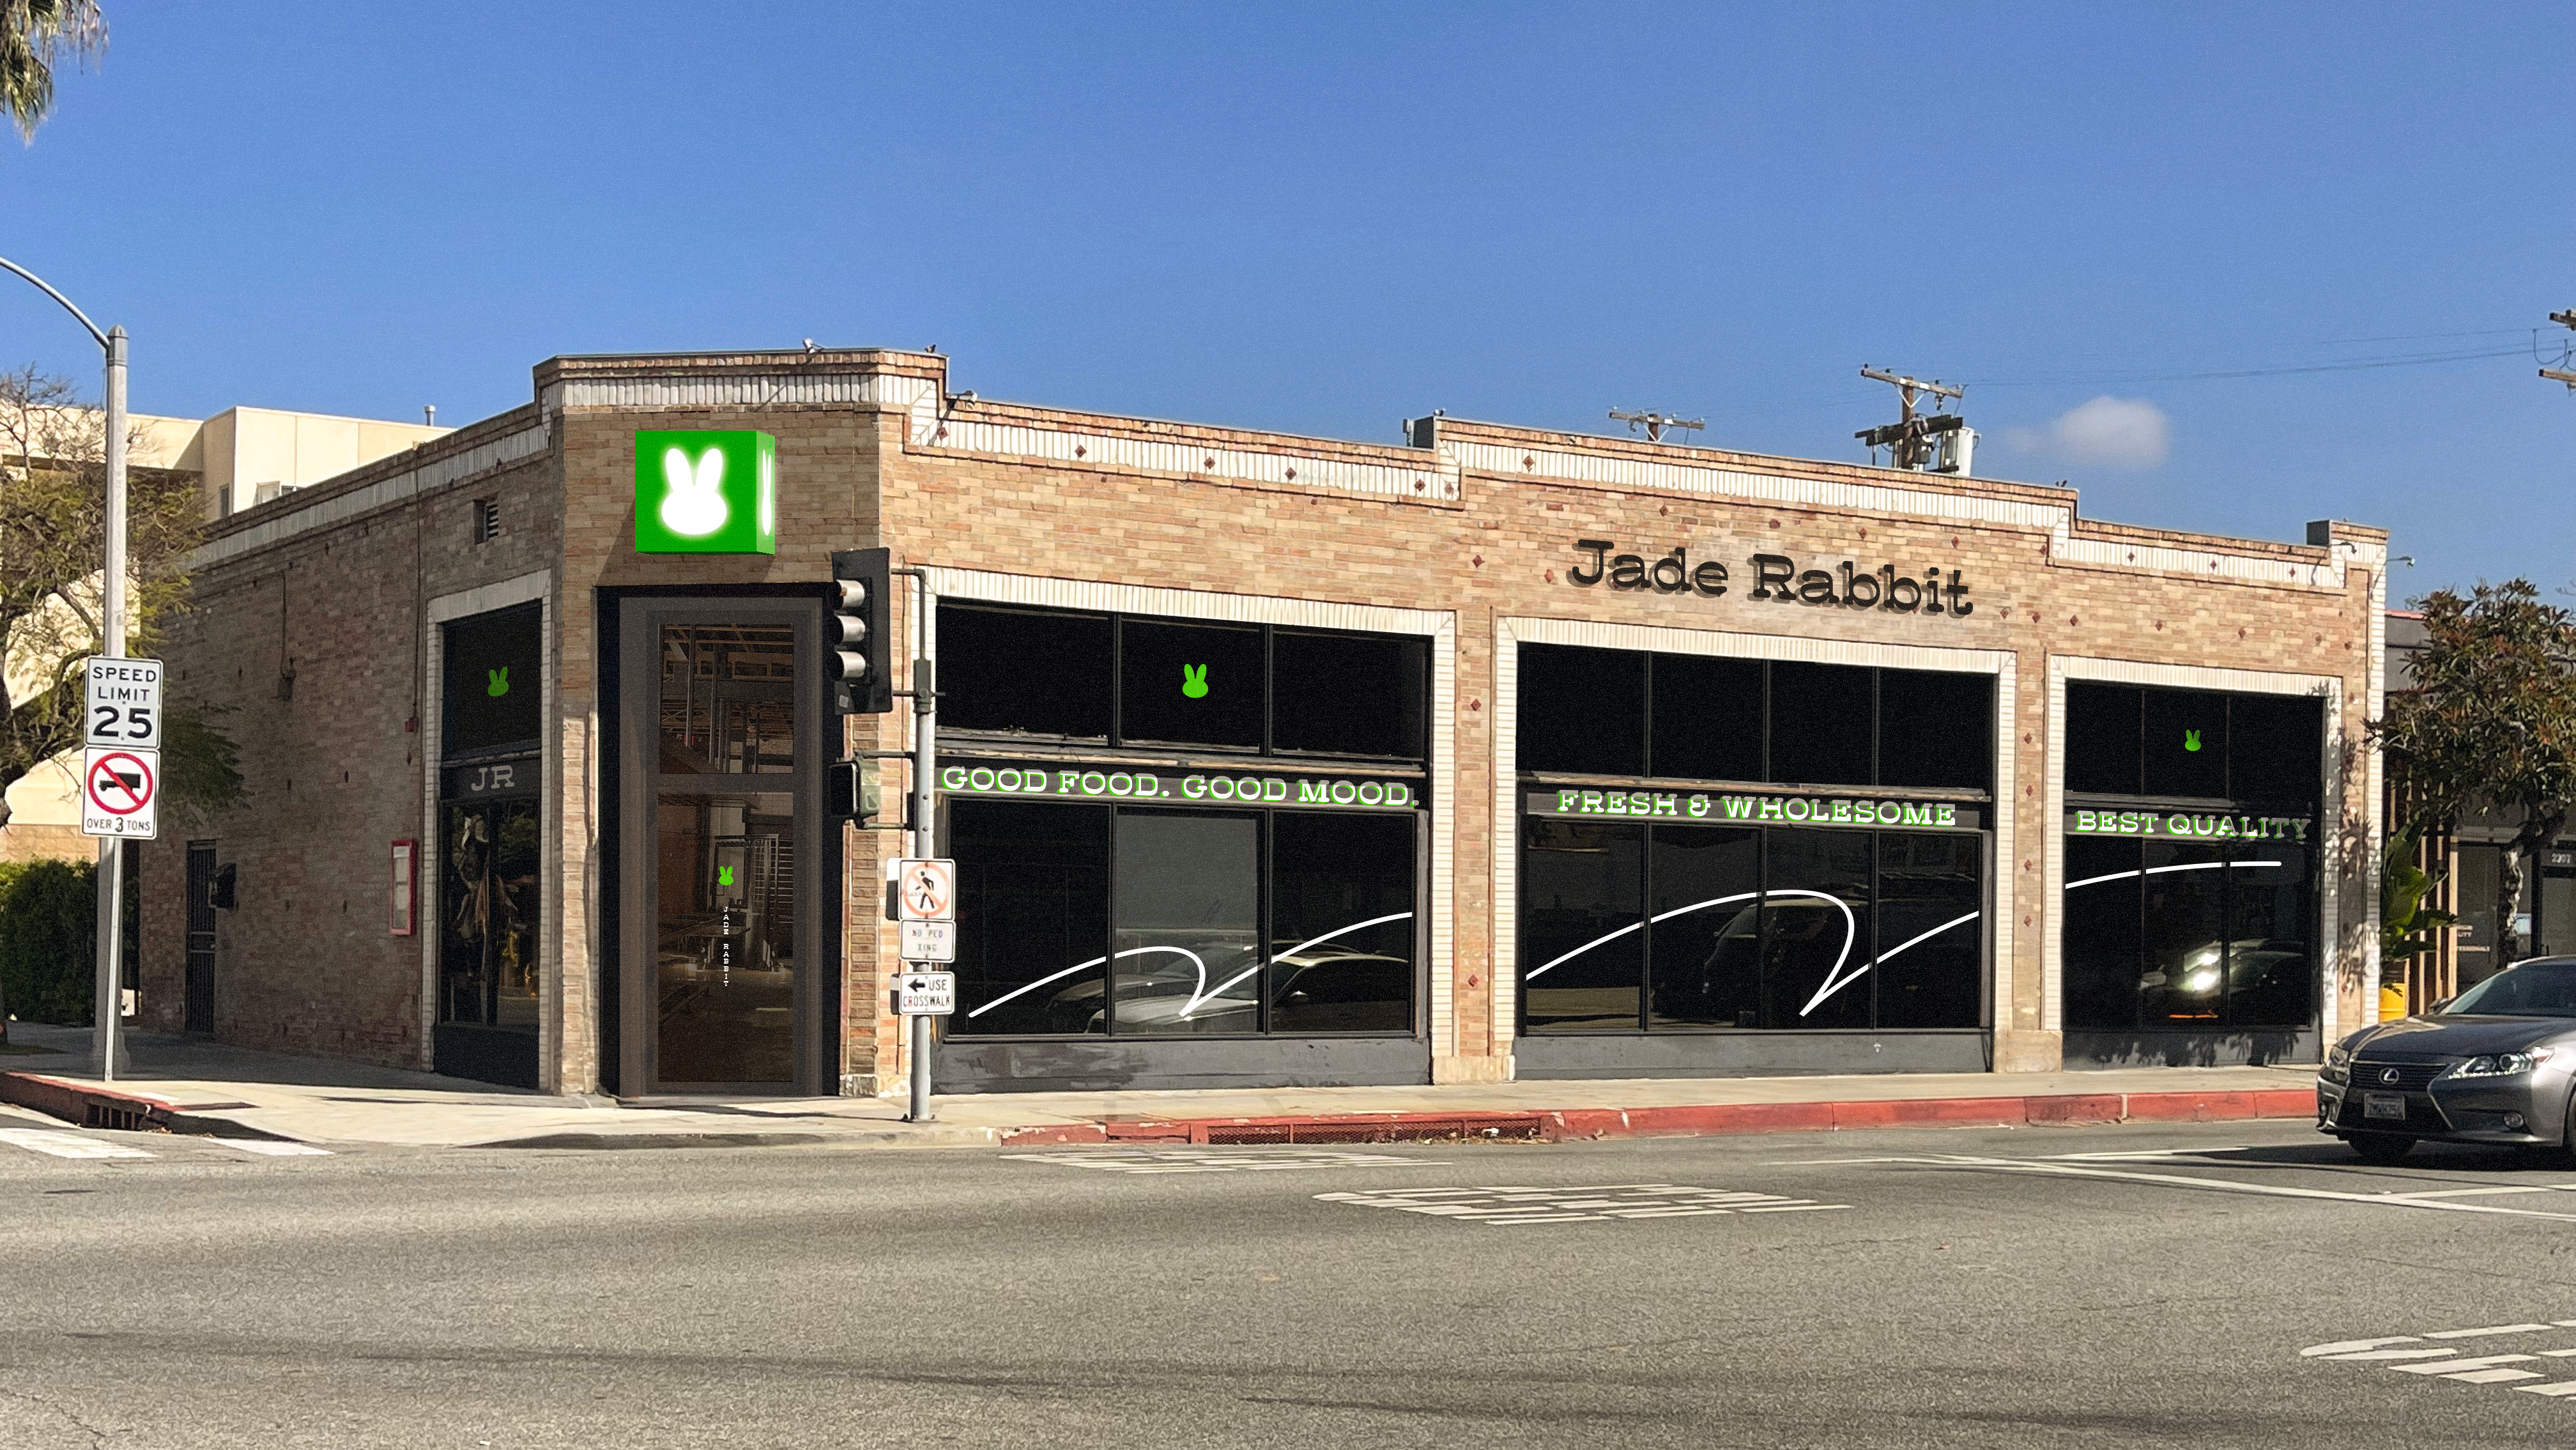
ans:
(2383, 1105)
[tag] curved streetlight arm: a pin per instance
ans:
(58, 297)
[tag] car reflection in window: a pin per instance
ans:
(2258, 972)
(1323, 988)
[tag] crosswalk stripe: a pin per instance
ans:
(66, 1145)
(267, 1148)
(2562, 1387)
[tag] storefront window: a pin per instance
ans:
(493, 666)
(2165, 934)
(1929, 904)
(487, 961)
(2198, 916)
(1125, 679)
(1317, 679)
(1717, 927)
(1822, 724)
(1048, 945)
(1024, 671)
(1583, 888)
(1033, 909)
(1190, 684)
(1609, 712)
(1706, 905)
(1185, 954)
(1341, 923)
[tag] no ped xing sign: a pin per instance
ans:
(706, 491)
(120, 792)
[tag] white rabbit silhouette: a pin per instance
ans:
(694, 507)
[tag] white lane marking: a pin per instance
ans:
(1592, 1203)
(66, 1145)
(2490, 1329)
(2268, 1190)
(2453, 1366)
(2347, 1346)
(1218, 1160)
(2491, 1376)
(268, 1149)
(2563, 1387)
(2378, 1354)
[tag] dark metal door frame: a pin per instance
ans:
(199, 984)
(817, 1034)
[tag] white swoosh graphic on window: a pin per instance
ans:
(1833, 984)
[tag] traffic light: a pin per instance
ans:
(858, 642)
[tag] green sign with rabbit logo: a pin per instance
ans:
(706, 492)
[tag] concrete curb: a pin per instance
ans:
(87, 1104)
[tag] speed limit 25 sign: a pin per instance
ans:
(124, 698)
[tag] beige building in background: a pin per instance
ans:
(242, 457)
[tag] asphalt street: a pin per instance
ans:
(2034, 1287)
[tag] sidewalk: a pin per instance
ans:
(191, 1085)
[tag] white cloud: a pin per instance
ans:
(2111, 432)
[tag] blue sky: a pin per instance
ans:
(1323, 218)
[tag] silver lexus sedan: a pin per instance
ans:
(2496, 1064)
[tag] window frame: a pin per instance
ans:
(1115, 687)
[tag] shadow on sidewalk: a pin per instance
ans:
(152, 1058)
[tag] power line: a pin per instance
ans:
(2359, 365)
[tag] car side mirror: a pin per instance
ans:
(2434, 1007)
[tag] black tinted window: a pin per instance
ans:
(495, 697)
(2102, 738)
(1192, 684)
(2274, 747)
(1347, 694)
(1935, 729)
(1024, 671)
(2186, 743)
(1582, 711)
(1820, 724)
(1708, 717)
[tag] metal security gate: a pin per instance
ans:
(201, 936)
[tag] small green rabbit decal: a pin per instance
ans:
(2191, 740)
(500, 682)
(1194, 681)
(724, 875)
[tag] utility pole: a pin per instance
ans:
(2561, 375)
(1654, 423)
(1909, 439)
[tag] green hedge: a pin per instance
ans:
(49, 941)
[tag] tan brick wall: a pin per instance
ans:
(306, 963)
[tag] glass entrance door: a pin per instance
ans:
(726, 954)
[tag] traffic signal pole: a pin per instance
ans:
(925, 836)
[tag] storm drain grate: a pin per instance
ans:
(1411, 1130)
(115, 1117)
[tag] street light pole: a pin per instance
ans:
(111, 849)
(112, 642)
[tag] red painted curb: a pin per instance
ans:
(1695, 1120)
(87, 1104)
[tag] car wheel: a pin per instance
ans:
(2381, 1147)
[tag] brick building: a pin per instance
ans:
(1265, 759)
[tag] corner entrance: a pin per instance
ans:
(727, 966)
